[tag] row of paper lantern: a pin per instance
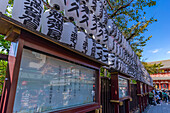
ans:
(118, 51)
(111, 28)
(101, 34)
(85, 14)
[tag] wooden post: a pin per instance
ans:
(11, 79)
(127, 105)
(144, 105)
(139, 95)
(115, 90)
(148, 93)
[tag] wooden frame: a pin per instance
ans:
(32, 41)
(115, 92)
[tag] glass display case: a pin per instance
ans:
(123, 87)
(47, 83)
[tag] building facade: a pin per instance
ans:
(161, 80)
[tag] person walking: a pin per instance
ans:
(165, 95)
(160, 95)
(151, 96)
(157, 98)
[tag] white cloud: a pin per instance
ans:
(168, 52)
(155, 51)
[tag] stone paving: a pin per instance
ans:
(159, 108)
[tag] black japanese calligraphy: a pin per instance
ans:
(72, 9)
(73, 38)
(32, 15)
(55, 24)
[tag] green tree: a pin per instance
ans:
(130, 17)
(152, 68)
(3, 67)
(4, 45)
(4, 49)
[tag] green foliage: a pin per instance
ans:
(3, 67)
(152, 68)
(102, 73)
(4, 49)
(4, 45)
(133, 81)
(130, 17)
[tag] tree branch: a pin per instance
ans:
(110, 4)
(48, 6)
(121, 7)
(131, 36)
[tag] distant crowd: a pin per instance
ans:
(158, 96)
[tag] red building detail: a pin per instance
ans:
(162, 80)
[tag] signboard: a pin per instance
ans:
(48, 84)
(123, 87)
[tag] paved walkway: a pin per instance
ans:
(161, 108)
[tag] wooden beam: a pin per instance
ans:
(13, 34)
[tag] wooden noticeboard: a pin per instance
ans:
(38, 68)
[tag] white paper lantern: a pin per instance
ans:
(121, 53)
(104, 3)
(99, 52)
(28, 12)
(99, 34)
(125, 56)
(105, 36)
(114, 50)
(127, 46)
(69, 34)
(133, 56)
(83, 19)
(116, 34)
(82, 42)
(92, 24)
(104, 18)
(3, 5)
(58, 4)
(117, 49)
(91, 47)
(123, 42)
(110, 43)
(99, 9)
(121, 66)
(72, 9)
(118, 64)
(111, 60)
(52, 24)
(83, 2)
(91, 4)
(111, 28)
(120, 38)
(105, 55)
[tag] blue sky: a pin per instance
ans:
(158, 48)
